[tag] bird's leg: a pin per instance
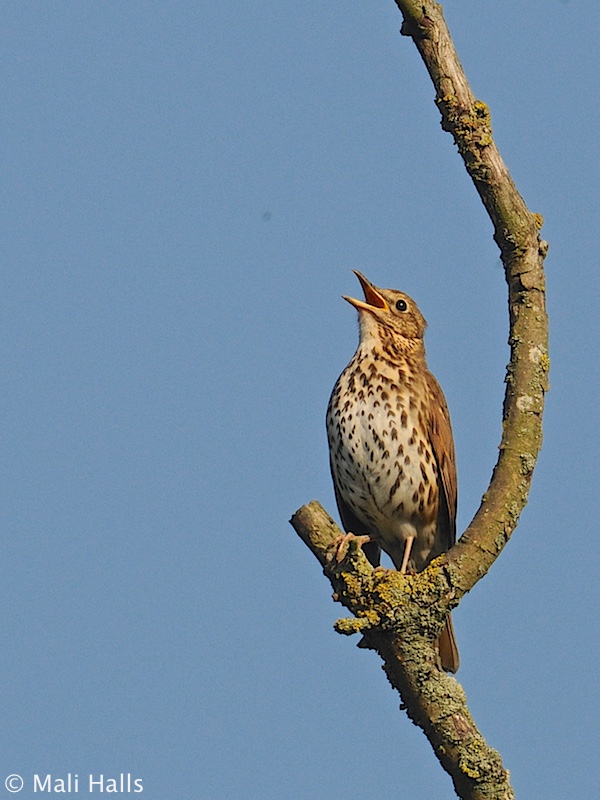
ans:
(407, 548)
(338, 549)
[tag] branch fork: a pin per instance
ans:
(400, 615)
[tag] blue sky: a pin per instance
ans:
(186, 189)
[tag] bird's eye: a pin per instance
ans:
(401, 305)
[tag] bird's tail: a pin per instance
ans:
(447, 647)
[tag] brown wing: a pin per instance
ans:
(442, 441)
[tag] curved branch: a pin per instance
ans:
(516, 232)
(400, 616)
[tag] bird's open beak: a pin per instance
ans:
(373, 300)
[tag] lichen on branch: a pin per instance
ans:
(399, 615)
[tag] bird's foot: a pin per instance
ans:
(407, 548)
(338, 549)
(381, 571)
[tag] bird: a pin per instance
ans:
(391, 446)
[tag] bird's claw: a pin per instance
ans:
(338, 549)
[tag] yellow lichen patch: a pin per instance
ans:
(365, 620)
(474, 126)
(539, 221)
(450, 99)
(471, 758)
(351, 625)
(545, 362)
(354, 586)
(372, 617)
(428, 583)
(482, 110)
(396, 594)
(392, 587)
(472, 772)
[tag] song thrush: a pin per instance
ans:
(390, 443)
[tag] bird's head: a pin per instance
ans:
(389, 316)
